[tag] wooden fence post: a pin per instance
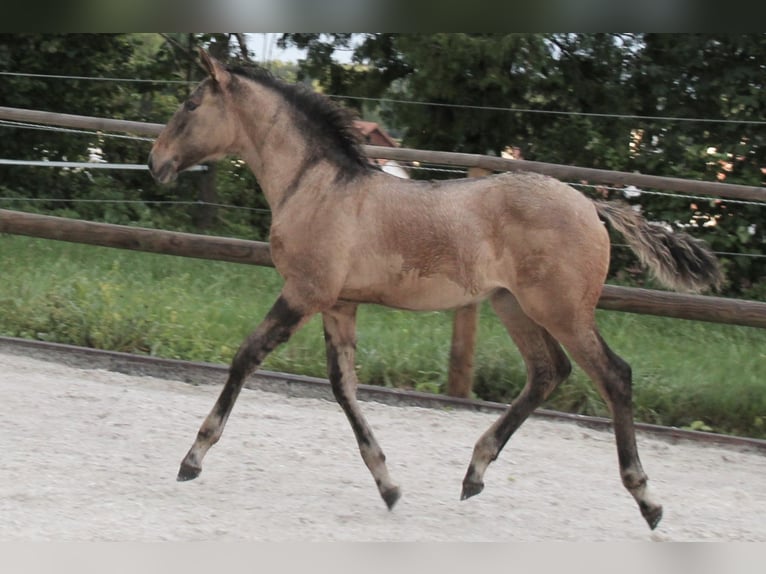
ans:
(205, 213)
(460, 378)
(464, 325)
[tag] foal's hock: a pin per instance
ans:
(344, 233)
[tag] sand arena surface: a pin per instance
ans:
(93, 455)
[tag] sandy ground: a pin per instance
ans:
(92, 455)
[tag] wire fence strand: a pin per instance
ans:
(94, 78)
(637, 191)
(23, 125)
(402, 101)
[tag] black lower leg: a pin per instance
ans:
(618, 392)
(276, 328)
(340, 345)
(547, 366)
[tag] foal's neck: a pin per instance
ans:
(273, 146)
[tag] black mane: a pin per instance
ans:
(328, 127)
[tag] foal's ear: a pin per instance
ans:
(214, 68)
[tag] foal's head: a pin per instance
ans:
(202, 129)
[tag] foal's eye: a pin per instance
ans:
(190, 105)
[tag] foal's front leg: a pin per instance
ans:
(280, 323)
(340, 340)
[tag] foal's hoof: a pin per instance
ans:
(470, 489)
(390, 496)
(187, 472)
(652, 515)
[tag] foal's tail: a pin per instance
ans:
(678, 260)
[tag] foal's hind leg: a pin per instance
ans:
(280, 323)
(547, 366)
(612, 377)
(340, 340)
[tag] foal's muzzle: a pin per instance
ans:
(162, 171)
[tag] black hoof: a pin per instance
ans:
(652, 515)
(390, 496)
(187, 472)
(471, 489)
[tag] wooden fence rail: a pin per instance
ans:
(136, 238)
(487, 162)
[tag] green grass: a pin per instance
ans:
(685, 373)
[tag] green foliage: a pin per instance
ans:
(482, 70)
(70, 54)
(80, 55)
(125, 197)
(707, 76)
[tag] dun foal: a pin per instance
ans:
(343, 233)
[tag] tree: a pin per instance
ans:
(54, 75)
(709, 76)
(76, 55)
(156, 74)
(469, 90)
(585, 80)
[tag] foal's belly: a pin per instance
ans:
(418, 293)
